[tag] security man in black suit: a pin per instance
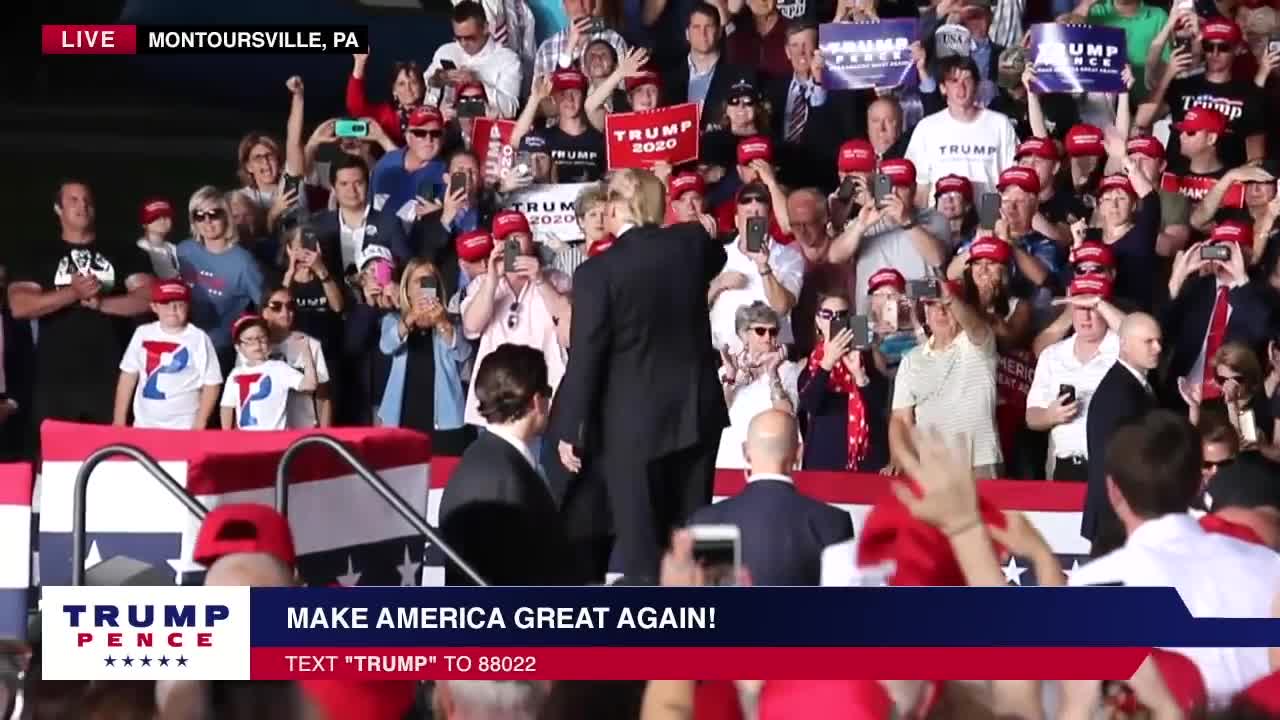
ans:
(497, 511)
(783, 532)
(640, 395)
(1123, 396)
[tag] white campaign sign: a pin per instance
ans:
(549, 209)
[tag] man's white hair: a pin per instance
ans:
(496, 699)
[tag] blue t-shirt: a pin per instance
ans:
(223, 286)
(393, 186)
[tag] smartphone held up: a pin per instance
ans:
(717, 549)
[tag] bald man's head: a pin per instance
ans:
(772, 442)
(249, 570)
(1140, 341)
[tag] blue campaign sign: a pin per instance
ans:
(1077, 58)
(741, 617)
(867, 55)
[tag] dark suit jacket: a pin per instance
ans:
(1119, 399)
(783, 531)
(640, 359)
(1186, 322)
(810, 161)
(498, 514)
(387, 231)
(675, 85)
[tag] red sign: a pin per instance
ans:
(88, 39)
(490, 139)
(1195, 187)
(640, 139)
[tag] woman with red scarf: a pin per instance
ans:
(844, 400)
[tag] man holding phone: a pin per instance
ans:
(475, 56)
(565, 48)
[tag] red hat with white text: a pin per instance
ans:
(472, 88)
(901, 172)
(474, 246)
(1038, 147)
(1085, 141)
(1145, 145)
(954, 183)
(1202, 118)
(507, 222)
(424, 115)
(686, 182)
(990, 248)
(568, 79)
(886, 277)
(1233, 231)
(154, 209)
(856, 155)
(1092, 251)
(1116, 181)
(170, 291)
(1221, 30)
(756, 147)
(1019, 177)
(647, 75)
(1092, 284)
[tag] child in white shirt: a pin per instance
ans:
(170, 370)
(256, 395)
(157, 223)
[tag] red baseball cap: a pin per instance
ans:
(1085, 141)
(568, 79)
(756, 147)
(1202, 118)
(1116, 182)
(1221, 29)
(954, 183)
(601, 245)
(507, 222)
(244, 528)
(244, 322)
(169, 291)
(472, 88)
(425, 115)
(901, 172)
(647, 75)
(686, 182)
(856, 155)
(1020, 177)
(1092, 284)
(1145, 145)
(1091, 251)
(154, 209)
(1038, 147)
(473, 246)
(1233, 231)
(990, 248)
(846, 699)
(365, 699)
(886, 277)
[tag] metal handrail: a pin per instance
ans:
(372, 480)
(79, 507)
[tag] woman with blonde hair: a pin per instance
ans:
(224, 277)
(1239, 395)
(424, 385)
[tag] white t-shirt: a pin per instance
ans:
(978, 150)
(787, 264)
(302, 406)
(172, 368)
(259, 394)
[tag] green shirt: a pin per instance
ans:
(1140, 32)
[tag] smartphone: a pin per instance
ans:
(1215, 252)
(510, 251)
(1248, 427)
(1182, 42)
(1273, 45)
(351, 128)
(457, 180)
(839, 323)
(1067, 393)
(989, 211)
(860, 325)
(448, 65)
(310, 239)
(291, 184)
(718, 550)
(756, 228)
(382, 272)
(882, 188)
(1093, 234)
(923, 289)
(470, 107)
(847, 186)
(524, 163)
(595, 24)
(430, 286)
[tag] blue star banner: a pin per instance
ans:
(867, 54)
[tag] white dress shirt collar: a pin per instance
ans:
(771, 476)
(521, 446)
(1142, 376)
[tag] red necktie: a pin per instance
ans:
(1217, 333)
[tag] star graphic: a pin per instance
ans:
(128, 661)
(94, 557)
(409, 570)
(146, 661)
(1013, 573)
(111, 662)
(1075, 565)
(182, 662)
(164, 661)
(352, 577)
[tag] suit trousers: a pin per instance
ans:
(650, 499)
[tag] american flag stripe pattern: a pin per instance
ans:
(15, 549)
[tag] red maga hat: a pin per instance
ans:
(425, 115)
(886, 277)
(990, 248)
(756, 147)
(169, 291)
(1019, 177)
(1145, 145)
(244, 528)
(856, 155)
(1092, 284)
(1092, 251)
(1085, 141)
(153, 209)
(1202, 118)
(568, 79)
(474, 246)
(686, 182)
(507, 222)
(955, 183)
(1038, 147)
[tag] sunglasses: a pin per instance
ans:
(278, 305)
(748, 199)
(1218, 47)
(762, 331)
(203, 215)
(1222, 379)
(1090, 268)
(1216, 464)
(742, 101)
(826, 314)
(420, 133)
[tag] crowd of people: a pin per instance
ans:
(1084, 287)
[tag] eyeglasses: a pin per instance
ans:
(762, 331)
(203, 215)
(748, 199)
(420, 133)
(255, 340)
(1218, 47)
(742, 102)
(827, 314)
(278, 305)
(1216, 464)
(1222, 379)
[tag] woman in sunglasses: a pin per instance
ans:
(844, 399)
(424, 386)
(407, 92)
(225, 278)
(1241, 398)
(755, 379)
(285, 342)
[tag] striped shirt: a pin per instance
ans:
(547, 59)
(1006, 22)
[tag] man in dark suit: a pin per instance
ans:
(497, 511)
(641, 380)
(460, 210)
(783, 532)
(705, 75)
(1124, 395)
(343, 232)
(802, 114)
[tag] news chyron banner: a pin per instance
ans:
(622, 633)
(160, 39)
